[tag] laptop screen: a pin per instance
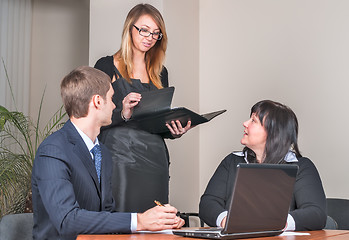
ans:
(261, 197)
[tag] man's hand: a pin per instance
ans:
(159, 218)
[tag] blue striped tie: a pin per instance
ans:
(97, 155)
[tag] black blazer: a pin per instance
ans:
(308, 205)
(67, 197)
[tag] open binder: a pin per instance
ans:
(154, 111)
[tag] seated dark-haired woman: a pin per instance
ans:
(270, 136)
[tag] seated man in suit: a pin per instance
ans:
(71, 181)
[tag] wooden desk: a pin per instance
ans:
(314, 235)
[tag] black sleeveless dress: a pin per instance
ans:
(140, 159)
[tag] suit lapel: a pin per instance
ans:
(82, 152)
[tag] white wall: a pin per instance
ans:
(225, 54)
(295, 52)
(59, 44)
(182, 20)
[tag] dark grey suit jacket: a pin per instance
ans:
(67, 197)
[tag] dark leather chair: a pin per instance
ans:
(187, 219)
(338, 209)
(16, 226)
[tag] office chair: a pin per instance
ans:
(338, 209)
(16, 226)
(187, 218)
(331, 224)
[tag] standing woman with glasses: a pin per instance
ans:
(141, 159)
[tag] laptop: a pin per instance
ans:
(259, 204)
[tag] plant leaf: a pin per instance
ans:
(19, 138)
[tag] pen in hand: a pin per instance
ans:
(159, 203)
(177, 219)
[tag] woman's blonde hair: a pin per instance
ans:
(155, 57)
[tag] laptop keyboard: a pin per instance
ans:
(209, 229)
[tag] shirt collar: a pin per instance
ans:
(86, 139)
(289, 157)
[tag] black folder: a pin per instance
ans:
(154, 111)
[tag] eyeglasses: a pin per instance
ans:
(145, 33)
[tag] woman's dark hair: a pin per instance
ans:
(281, 125)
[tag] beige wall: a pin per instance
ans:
(59, 43)
(292, 51)
(183, 66)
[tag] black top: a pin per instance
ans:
(308, 205)
(122, 88)
(140, 158)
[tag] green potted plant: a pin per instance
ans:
(20, 137)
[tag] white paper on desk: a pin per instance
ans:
(293, 234)
(167, 231)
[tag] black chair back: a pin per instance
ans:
(186, 217)
(338, 209)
